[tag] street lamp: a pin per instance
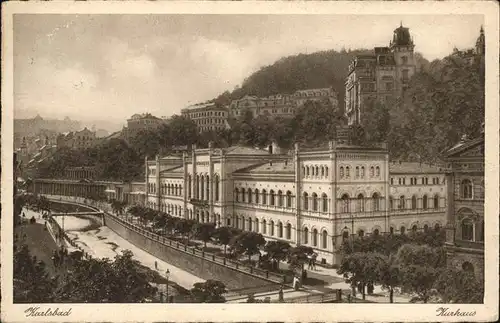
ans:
(167, 274)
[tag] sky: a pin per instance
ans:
(109, 67)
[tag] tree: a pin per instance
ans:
(420, 266)
(211, 291)
(182, 131)
(101, 280)
(277, 250)
(32, 283)
(184, 227)
(298, 256)
(223, 236)
(248, 243)
(387, 274)
(203, 231)
(459, 286)
(353, 268)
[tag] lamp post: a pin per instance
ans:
(167, 274)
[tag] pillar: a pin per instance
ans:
(185, 181)
(194, 186)
(298, 181)
(146, 179)
(210, 182)
(333, 199)
(387, 194)
(450, 209)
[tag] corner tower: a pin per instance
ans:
(402, 47)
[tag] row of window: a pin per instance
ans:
(203, 187)
(315, 171)
(209, 121)
(171, 189)
(284, 232)
(402, 230)
(414, 181)
(415, 203)
(359, 172)
(207, 114)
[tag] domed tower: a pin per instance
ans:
(402, 47)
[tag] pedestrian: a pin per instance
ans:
(280, 294)
(314, 261)
(295, 283)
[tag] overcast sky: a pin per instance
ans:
(112, 66)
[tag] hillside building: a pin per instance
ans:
(281, 105)
(77, 140)
(207, 116)
(380, 76)
(138, 123)
(473, 55)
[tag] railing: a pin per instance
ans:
(274, 277)
(314, 298)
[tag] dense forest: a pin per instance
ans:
(443, 104)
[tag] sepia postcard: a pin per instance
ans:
(212, 161)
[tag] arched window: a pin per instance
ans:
(357, 172)
(280, 198)
(467, 229)
(341, 172)
(424, 202)
(264, 197)
(202, 189)
(207, 188)
(317, 171)
(391, 230)
(322, 171)
(437, 227)
(304, 170)
(315, 238)
(361, 233)
(414, 228)
(362, 171)
(256, 196)
(217, 188)
(401, 202)
(288, 199)
(345, 235)
(376, 232)
(372, 171)
(189, 186)
(280, 230)
(324, 240)
(345, 203)
(249, 192)
(324, 203)
(236, 195)
(271, 197)
(413, 202)
(347, 172)
(264, 226)
(307, 171)
(426, 228)
(306, 201)
(436, 201)
(289, 231)
(402, 230)
(271, 228)
(466, 189)
(305, 235)
(249, 224)
(315, 201)
(376, 202)
(360, 203)
(326, 171)
(377, 171)
(256, 225)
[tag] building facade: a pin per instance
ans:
(77, 140)
(465, 213)
(207, 116)
(315, 197)
(281, 105)
(141, 122)
(380, 76)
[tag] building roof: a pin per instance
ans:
(241, 150)
(414, 168)
(175, 169)
(464, 145)
(276, 167)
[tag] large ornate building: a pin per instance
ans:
(281, 105)
(379, 76)
(465, 213)
(316, 197)
(207, 116)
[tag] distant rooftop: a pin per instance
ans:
(414, 168)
